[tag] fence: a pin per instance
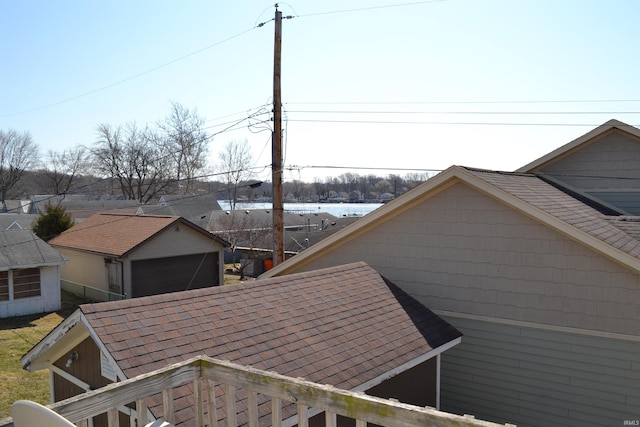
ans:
(89, 294)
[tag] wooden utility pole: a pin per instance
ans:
(276, 154)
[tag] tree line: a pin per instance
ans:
(144, 162)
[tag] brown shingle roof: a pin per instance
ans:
(113, 234)
(343, 326)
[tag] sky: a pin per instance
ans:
(368, 87)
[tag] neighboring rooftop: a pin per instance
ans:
(346, 326)
(191, 207)
(23, 249)
(116, 234)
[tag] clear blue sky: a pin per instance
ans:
(365, 84)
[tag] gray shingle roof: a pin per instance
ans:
(546, 197)
(23, 249)
(187, 206)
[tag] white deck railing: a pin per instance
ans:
(204, 373)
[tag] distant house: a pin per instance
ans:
(344, 326)
(17, 221)
(16, 206)
(195, 208)
(29, 274)
(82, 206)
(250, 232)
(539, 268)
(140, 255)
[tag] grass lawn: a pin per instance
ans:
(18, 335)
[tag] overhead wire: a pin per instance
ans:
(131, 77)
(360, 9)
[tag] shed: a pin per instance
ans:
(29, 274)
(139, 255)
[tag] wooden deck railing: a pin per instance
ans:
(203, 373)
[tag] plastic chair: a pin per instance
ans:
(26, 413)
(158, 423)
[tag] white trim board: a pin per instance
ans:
(541, 326)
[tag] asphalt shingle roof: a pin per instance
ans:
(190, 207)
(23, 249)
(548, 198)
(113, 234)
(343, 326)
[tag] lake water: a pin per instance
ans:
(335, 209)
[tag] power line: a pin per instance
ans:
(132, 77)
(388, 6)
(552, 101)
(296, 167)
(408, 122)
(550, 113)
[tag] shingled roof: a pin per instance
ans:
(23, 249)
(346, 326)
(615, 236)
(561, 205)
(117, 234)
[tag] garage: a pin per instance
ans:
(177, 273)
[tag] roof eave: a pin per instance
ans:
(88, 251)
(433, 186)
(388, 210)
(69, 329)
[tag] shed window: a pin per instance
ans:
(16, 284)
(4, 285)
(26, 283)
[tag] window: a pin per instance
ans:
(17, 284)
(26, 283)
(4, 285)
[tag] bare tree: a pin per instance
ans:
(235, 163)
(18, 153)
(244, 229)
(132, 157)
(187, 143)
(62, 169)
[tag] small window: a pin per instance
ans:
(26, 283)
(4, 286)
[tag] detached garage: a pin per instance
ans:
(163, 275)
(141, 255)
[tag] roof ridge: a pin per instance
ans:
(498, 172)
(136, 215)
(167, 298)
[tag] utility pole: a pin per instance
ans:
(276, 154)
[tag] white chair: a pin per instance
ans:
(26, 413)
(31, 414)
(158, 423)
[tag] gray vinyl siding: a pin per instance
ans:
(535, 377)
(461, 251)
(608, 163)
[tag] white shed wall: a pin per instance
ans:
(48, 301)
